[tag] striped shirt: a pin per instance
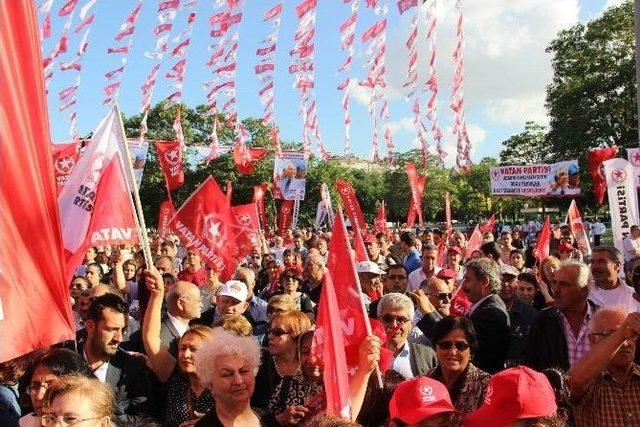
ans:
(577, 346)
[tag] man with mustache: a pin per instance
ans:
(609, 290)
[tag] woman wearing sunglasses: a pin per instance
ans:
(455, 343)
(290, 282)
(281, 357)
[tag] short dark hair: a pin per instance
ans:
(168, 243)
(491, 248)
(407, 237)
(382, 236)
(530, 278)
(104, 302)
(397, 266)
(516, 251)
(62, 361)
(612, 251)
(451, 323)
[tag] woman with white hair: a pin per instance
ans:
(228, 365)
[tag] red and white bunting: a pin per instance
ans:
(179, 53)
(347, 38)
(61, 46)
(264, 69)
(126, 31)
(167, 10)
(463, 144)
(44, 9)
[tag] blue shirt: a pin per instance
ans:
(412, 261)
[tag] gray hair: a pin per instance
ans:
(608, 311)
(224, 343)
(395, 301)
(315, 258)
(614, 253)
(485, 268)
(581, 269)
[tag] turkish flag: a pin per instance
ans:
(285, 217)
(204, 223)
(245, 158)
(65, 157)
(167, 211)
(247, 227)
(170, 157)
(596, 156)
(474, 243)
(541, 250)
(34, 296)
(488, 226)
(259, 193)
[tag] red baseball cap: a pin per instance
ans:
(446, 273)
(514, 394)
(456, 249)
(419, 398)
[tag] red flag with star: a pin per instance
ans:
(247, 227)
(170, 158)
(65, 157)
(595, 157)
(204, 223)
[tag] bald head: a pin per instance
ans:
(184, 301)
(608, 319)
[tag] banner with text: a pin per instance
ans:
(556, 179)
(623, 198)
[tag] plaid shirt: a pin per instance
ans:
(577, 346)
(609, 403)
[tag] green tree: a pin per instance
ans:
(527, 147)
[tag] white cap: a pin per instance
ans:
(369, 267)
(234, 289)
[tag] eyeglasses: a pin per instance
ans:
(396, 276)
(277, 332)
(78, 286)
(387, 318)
(36, 387)
(448, 345)
(53, 419)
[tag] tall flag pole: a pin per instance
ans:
(114, 77)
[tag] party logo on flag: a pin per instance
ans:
(618, 175)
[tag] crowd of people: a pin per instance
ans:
(497, 339)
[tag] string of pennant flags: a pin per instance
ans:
(172, 42)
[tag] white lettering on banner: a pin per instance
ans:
(558, 179)
(192, 241)
(348, 329)
(114, 233)
(623, 198)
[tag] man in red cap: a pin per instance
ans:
(421, 402)
(515, 395)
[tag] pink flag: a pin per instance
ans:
(541, 250)
(273, 12)
(488, 226)
(374, 31)
(475, 241)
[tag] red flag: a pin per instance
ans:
(442, 253)
(380, 223)
(65, 157)
(488, 226)
(374, 31)
(577, 228)
(595, 157)
(416, 184)
(541, 250)
(170, 157)
(285, 217)
(460, 304)
(258, 198)
(247, 231)
(204, 223)
(351, 205)
(229, 192)
(34, 295)
(167, 211)
(329, 344)
(475, 241)
(245, 158)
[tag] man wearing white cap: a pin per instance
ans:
(232, 299)
(370, 275)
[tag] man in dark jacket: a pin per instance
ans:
(559, 335)
(488, 313)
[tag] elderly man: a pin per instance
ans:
(605, 383)
(410, 359)
(454, 262)
(521, 315)
(433, 302)
(488, 313)
(558, 337)
(314, 271)
(429, 267)
(370, 276)
(608, 289)
(232, 299)
(183, 305)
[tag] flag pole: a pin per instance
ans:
(144, 239)
(367, 323)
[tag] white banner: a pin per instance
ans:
(290, 175)
(633, 155)
(556, 179)
(623, 198)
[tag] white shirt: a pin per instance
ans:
(598, 228)
(621, 296)
(101, 371)
(631, 248)
(180, 326)
(416, 277)
(402, 363)
(474, 306)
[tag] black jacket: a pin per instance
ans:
(491, 322)
(521, 316)
(547, 343)
(421, 358)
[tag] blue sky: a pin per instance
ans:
(506, 69)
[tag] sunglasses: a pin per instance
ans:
(277, 332)
(444, 296)
(387, 318)
(287, 277)
(448, 345)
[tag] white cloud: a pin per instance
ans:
(612, 3)
(505, 60)
(405, 124)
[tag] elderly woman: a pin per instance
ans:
(51, 366)
(455, 343)
(228, 365)
(76, 399)
(187, 396)
(290, 282)
(281, 358)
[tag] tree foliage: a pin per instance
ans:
(528, 147)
